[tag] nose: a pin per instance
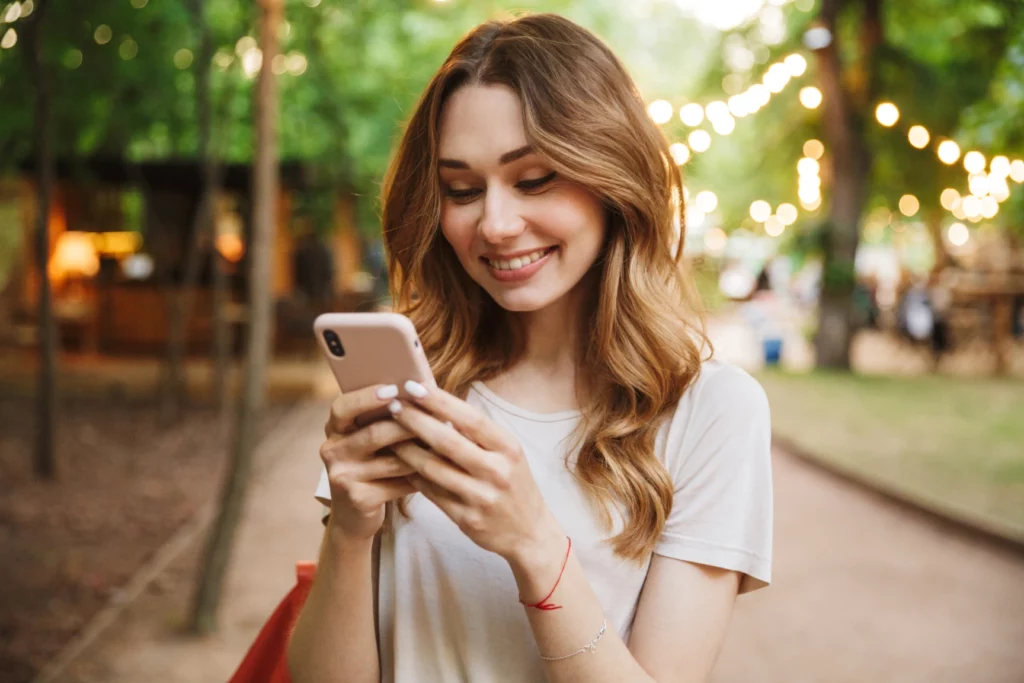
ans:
(501, 219)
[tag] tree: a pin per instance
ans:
(46, 393)
(264, 192)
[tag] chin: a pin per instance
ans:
(521, 302)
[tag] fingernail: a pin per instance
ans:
(388, 391)
(395, 407)
(415, 389)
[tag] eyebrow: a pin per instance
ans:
(503, 160)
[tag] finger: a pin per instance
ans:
(372, 438)
(454, 508)
(447, 476)
(467, 419)
(347, 407)
(384, 491)
(383, 467)
(448, 442)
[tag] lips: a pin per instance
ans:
(519, 262)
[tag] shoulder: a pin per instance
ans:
(722, 405)
(722, 392)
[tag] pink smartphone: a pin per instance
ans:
(363, 349)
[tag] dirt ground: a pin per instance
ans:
(66, 547)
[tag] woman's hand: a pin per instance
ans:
(475, 471)
(362, 478)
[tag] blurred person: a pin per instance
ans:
(586, 494)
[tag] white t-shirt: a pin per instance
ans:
(449, 611)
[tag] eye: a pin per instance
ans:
(536, 183)
(461, 195)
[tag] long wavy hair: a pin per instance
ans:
(644, 328)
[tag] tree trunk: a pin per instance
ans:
(844, 120)
(221, 332)
(264, 197)
(174, 389)
(46, 396)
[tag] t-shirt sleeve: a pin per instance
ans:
(718, 452)
(323, 492)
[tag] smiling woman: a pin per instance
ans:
(585, 494)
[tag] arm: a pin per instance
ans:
(335, 639)
(677, 633)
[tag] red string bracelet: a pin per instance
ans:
(544, 604)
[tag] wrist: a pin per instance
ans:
(538, 560)
(342, 542)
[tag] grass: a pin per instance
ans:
(956, 441)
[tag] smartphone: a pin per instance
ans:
(364, 349)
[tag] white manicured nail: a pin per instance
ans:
(415, 389)
(388, 391)
(395, 407)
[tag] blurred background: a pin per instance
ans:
(186, 184)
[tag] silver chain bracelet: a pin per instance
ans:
(589, 647)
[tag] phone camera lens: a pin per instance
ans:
(334, 343)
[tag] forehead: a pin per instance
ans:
(479, 123)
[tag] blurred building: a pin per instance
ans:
(119, 235)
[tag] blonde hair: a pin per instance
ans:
(645, 333)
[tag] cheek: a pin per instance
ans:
(458, 229)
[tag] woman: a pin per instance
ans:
(584, 498)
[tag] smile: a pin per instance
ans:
(520, 267)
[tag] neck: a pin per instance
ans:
(551, 336)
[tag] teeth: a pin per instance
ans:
(518, 262)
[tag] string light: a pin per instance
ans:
(680, 153)
(691, 114)
(958, 234)
(760, 210)
(909, 205)
(918, 136)
(974, 162)
(887, 114)
(707, 201)
(814, 149)
(660, 111)
(699, 140)
(810, 97)
(948, 152)
(949, 198)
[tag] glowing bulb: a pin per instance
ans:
(909, 205)
(716, 110)
(760, 210)
(699, 140)
(999, 166)
(948, 152)
(1017, 170)
(707, 201)
(810, 97)
(989, 207)
(660, 111)
(807, 166)
(795, 64)
(887, 114)
(971, 206)
(680, 153)
(724, 125)
(978, 184)
(691, 114)
(958, 234)
(949, 198)
(786, 213)
(773, 226)
(974, 162)
(814, 149)
(918, 136)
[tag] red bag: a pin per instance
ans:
(266, 660)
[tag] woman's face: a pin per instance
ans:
(524, 234)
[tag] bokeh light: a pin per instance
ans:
(680, 153)
(707, 201)
(948, 152)
(814, 149)
(796, 64)
(958, 234)
(760, 210)
(918, 136)
(949, 198)
(786, 213)
(691, 114)
(10, 39)
(699, 140)
(974, 162)
(773, 226)
(660, 111)
(102, 34)
(887, 114)
(810, 97)
(909, 205)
